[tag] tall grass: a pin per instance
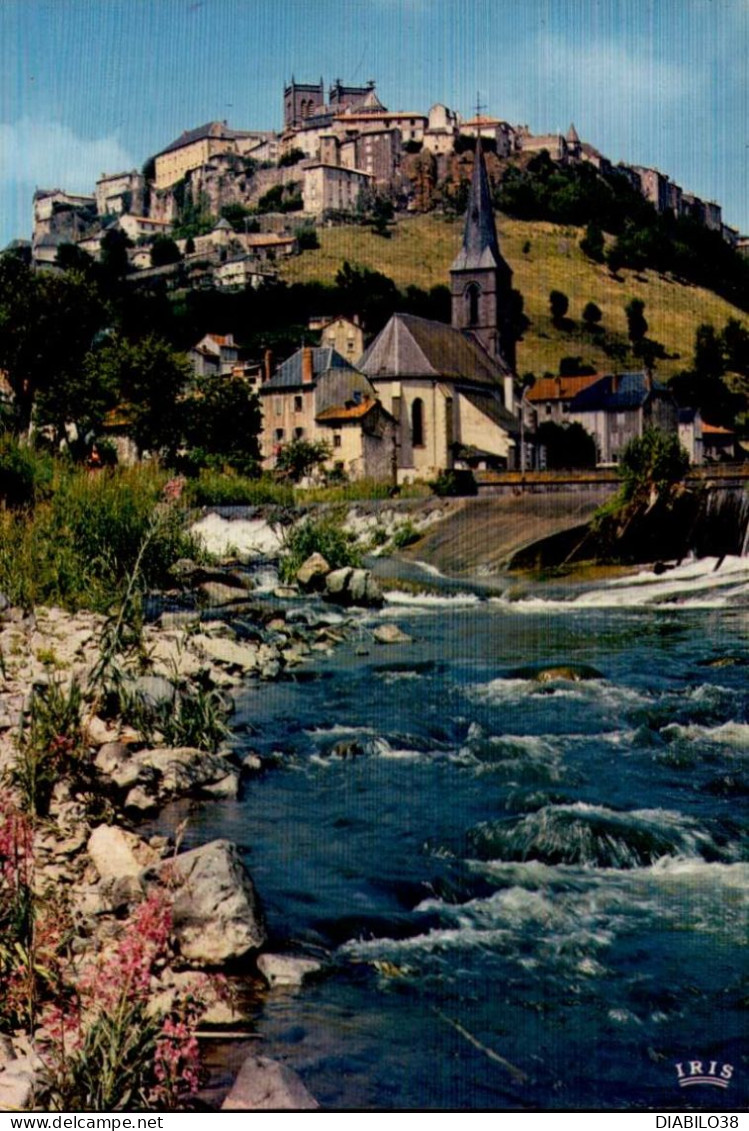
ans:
(78, 547)
(218, 488)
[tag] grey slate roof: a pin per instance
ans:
(289, 374)
(210, 129)
(417, 347)
(616, 393)
(480, 248)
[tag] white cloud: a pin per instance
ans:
(51, 155)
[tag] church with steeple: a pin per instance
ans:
(451, 388)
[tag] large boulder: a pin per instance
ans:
(216, 913)
(311, 574)
(391, 634)
(349, 586)
(265, 1085)
(286, 969)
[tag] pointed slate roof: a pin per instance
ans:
(480, 248)
(417, 347)
(572, 135)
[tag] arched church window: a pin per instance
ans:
(417, 423)
(473, 292)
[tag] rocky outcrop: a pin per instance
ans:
(266, 1085)
(146, 779)
(216, 913)
(391, 634)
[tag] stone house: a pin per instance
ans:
(120, 192)
(551, 397)
(493, 130)
(191, 150)
(333, 188)
(214, 355)
(441, 129)
(139, 227)
(620, 407)
(240, 272)
(343, 335)
(719, 444)
(316, 395)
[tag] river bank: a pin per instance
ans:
(241, 633)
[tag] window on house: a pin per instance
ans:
(298, 404)
(336, 439)
(565, 406)
(279, 406)
(417, 423)
(298, 433)
(279, 434)
(548, 408)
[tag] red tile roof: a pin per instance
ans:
(560, 388)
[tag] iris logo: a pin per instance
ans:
(703, 1072)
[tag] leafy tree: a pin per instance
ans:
(70, 257)
(164, 251)
(306, 238)
(370, 293)
(222, 422)
(292, 157)
(637, 326)
(566, 446)
(651, 465)
(575, 367)
(114, 245)
(592, 243)
(709, 363)
(147, 377)
(299, 458)
(592, 315)
(241, 218)
(559, 305)
(47, 324)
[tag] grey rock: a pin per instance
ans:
(216, 912)
(265, 1085)
(391, 634)
(312, 573)
(286, 969)
(337, 581)
(217, 594)
(154, 689)
(244, 656)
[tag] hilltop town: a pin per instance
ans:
(412, 395)
(236, 200)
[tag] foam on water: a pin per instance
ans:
(697, 584)
(733, 734)
(430, 600)
(244, 537)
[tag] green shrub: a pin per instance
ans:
(25, 474)
(51, 746)
(405, 535)
(220, 488)
(324, 536)
(454, 482)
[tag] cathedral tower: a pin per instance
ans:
(480, 279)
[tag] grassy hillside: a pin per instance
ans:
(422, 247)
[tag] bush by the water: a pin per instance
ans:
(25, 473)
(221, 488)
(324, 536)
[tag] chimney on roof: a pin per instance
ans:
(308, 369)
(615, 383)
(267, 365)
(649, 380)
(558, 383)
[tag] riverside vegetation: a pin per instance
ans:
(104, 717)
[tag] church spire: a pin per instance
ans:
(480, 248)
(480, 279)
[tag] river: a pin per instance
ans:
(529, 895)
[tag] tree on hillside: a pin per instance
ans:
(559, 305)
(592, 244)
(637, 326)
(705, 386)
(592, 315)
(164, 251)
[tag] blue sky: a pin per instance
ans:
(89, 86)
